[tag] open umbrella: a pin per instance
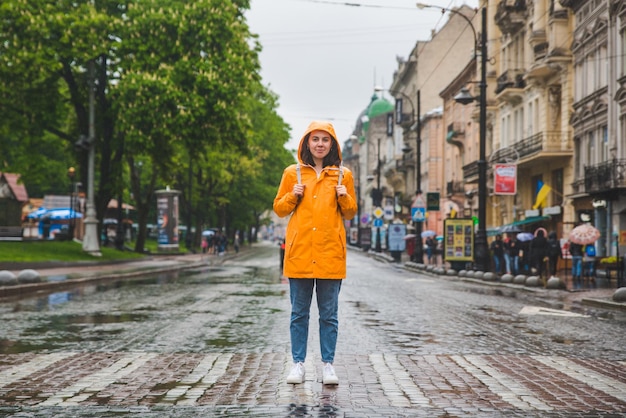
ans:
(510, 229)
(584, 234)
(428, 233)
(409, 236)
(525, 236)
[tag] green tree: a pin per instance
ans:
(172, 78)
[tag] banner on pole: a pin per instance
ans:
(505, 179)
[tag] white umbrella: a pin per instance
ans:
(428, 233)
(584, 234)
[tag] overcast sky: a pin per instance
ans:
(324, 58)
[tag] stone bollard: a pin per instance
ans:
(555, 283)
(519, 279)
(620, 295)
(7, 278)
(506, 278)
(489, 277)
(28, 276)
(532, 281)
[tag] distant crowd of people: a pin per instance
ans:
(218, 243)
(540, 256)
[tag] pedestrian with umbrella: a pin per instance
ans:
(580, 236)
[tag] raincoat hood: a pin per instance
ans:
(322, 126)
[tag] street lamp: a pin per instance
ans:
(481, 253)
(351, 141)
(71, 173)
(377, 197)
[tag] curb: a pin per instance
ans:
(598, 303)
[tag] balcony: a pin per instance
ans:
(605, 177)
(510, 86)
(454, 187)
(470, 172)
(543, 146)
(511, 15)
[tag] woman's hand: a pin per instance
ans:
(298, 190)
(341, 190)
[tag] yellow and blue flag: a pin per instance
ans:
(542, 195)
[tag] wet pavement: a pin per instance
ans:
(207, 336)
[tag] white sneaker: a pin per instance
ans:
(296, 375)
(328, 375)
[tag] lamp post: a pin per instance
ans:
(481, 253)
(418, 254)
(419, 248)
(90, 240)
(352, 140)
(71, 173)
(378, 195)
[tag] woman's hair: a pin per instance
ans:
(331, 159)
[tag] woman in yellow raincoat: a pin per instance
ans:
(319, 195)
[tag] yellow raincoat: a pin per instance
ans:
(316, 237)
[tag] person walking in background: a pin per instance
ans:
(576, 251)
(497, 250)
(319, 195)
(512, 248)
(589, 264)
(431, 246)
(539, 253)
(554, 252)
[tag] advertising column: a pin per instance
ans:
(167, 220)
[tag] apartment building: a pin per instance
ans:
(598, 119)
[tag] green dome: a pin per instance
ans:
(379, 106)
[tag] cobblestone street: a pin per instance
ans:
(213, 341)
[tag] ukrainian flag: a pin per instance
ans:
(542, 195)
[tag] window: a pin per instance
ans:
(623, 52)
(591, 149)
(604, 147)
(557, 187)
(577, 158)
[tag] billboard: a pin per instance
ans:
(458, 239)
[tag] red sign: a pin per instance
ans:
(505, 179)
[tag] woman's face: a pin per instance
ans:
(320, 143)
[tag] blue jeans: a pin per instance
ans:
(577, 266)
(516, 264)
(507, 263)
(301, 293)
(498, 263)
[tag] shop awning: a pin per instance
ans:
(531, 220)
(495, 230)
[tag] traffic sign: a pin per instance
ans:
(378, 223)
(418, 202)
(378, 212)
(418, 214)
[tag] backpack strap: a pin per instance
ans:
(340, 173)
(298, 175)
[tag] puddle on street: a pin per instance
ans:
(87, 315)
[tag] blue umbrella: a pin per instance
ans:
(428, 233)
(525, 236)
(62, 214)
(37, 213)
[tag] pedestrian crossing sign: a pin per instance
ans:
(418, 214)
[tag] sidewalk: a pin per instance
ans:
(59, 276)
